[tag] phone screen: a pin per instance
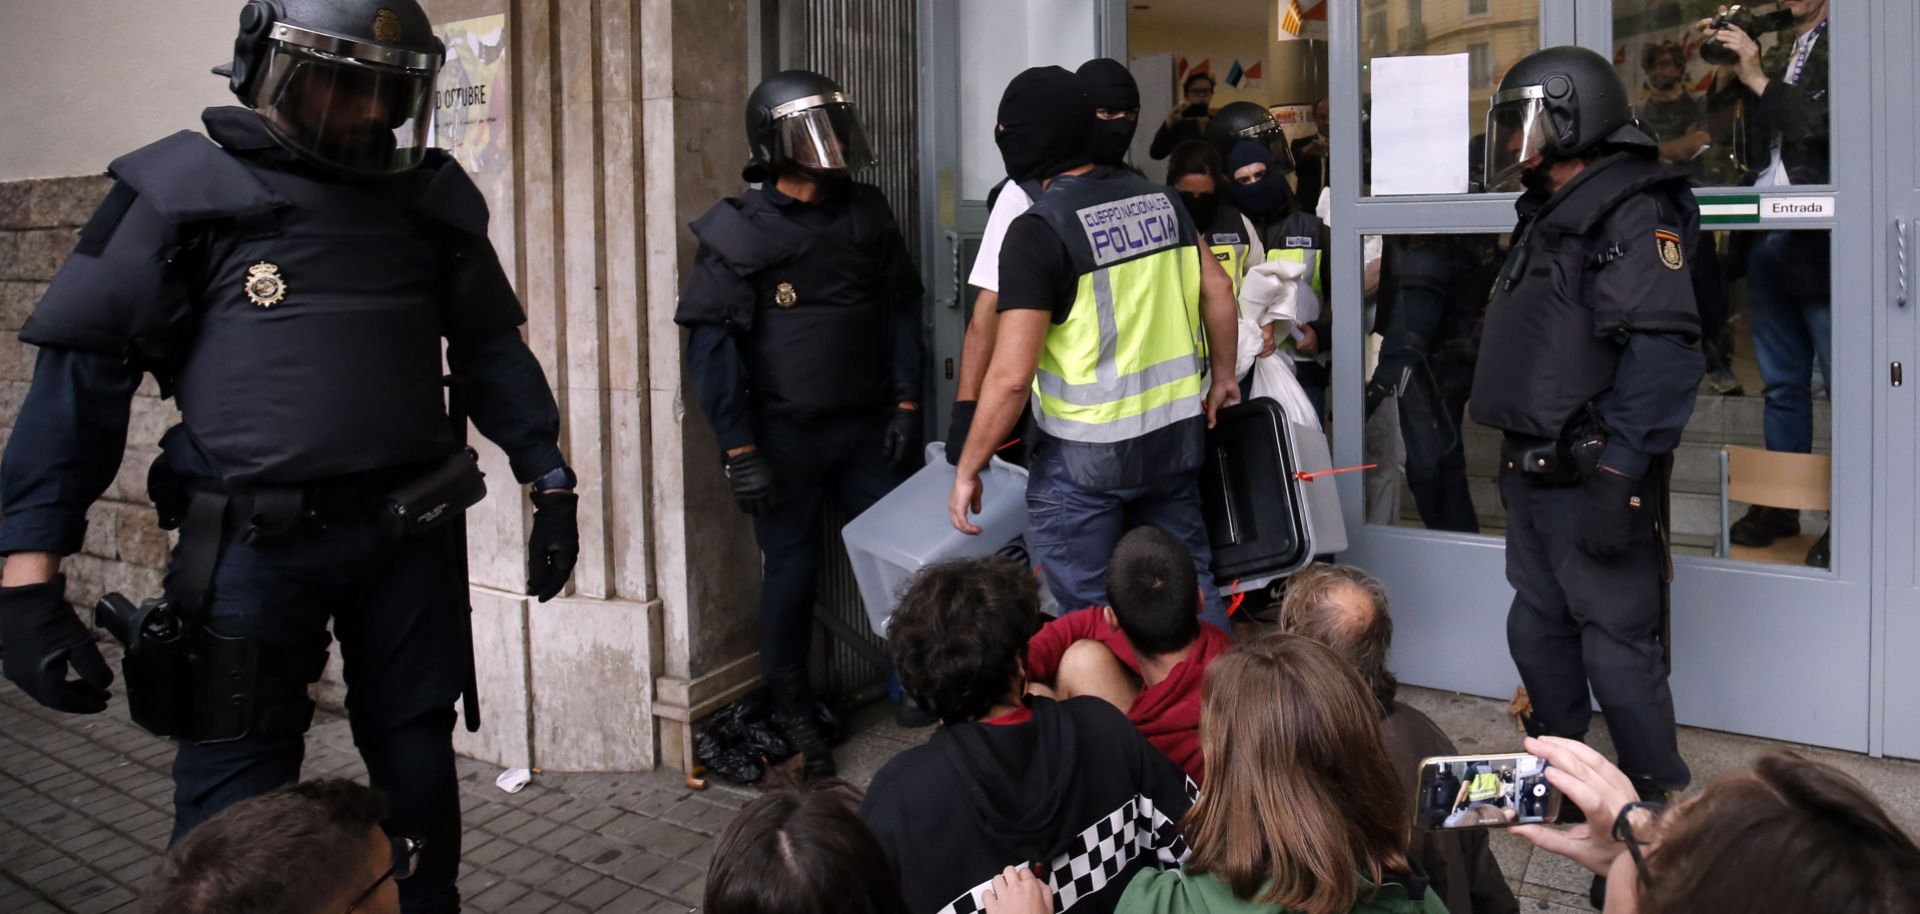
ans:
(1194, 111)
(1485, 791)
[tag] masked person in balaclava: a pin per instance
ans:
(1102, 316)
(1116, 103)
(1257, 187)
(1105, 139)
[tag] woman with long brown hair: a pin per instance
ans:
(1791, 835)
(1302, 811)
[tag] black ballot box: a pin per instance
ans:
(1270, 504)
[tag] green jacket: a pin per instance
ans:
(1176, 892)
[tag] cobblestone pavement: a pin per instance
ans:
(85, 811)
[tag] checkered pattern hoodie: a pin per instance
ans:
(1074, 788)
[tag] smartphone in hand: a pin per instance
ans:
(1484, 791)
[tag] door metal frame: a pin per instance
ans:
(945, 218)
(1896, 545)
(1726, 615)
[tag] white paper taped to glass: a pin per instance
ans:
(1420, 125)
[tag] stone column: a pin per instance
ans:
(693, 86)
(625, 118)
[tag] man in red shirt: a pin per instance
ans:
(1145, 654)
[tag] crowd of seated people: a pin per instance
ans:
(1133, 759)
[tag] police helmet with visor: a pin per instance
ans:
(344, 84)
(799, 118)
(1557, 103)
(1243, 120)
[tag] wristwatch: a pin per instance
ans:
(560, 477)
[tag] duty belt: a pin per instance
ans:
(261, 512)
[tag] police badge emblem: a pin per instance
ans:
(386, 27)
(264, 285)
(784, 296)
(1668, 244)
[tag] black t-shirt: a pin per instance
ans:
(1036, 272)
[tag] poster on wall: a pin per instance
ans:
(472, 100)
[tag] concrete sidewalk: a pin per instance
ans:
(85, 811)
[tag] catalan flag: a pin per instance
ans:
(1291, 21)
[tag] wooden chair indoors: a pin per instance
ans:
(1802, 482)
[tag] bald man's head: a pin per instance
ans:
(1345, 609)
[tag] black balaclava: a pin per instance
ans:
(1044, 120)
(1204, 208)
(1267, 198)
(1109, 85)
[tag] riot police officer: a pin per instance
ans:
(1589, 364)
(804, 311)
(288, 278)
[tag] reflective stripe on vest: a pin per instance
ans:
(1127, 360)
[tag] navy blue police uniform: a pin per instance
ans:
(297, 319)
(1589, 365)
(804, 322)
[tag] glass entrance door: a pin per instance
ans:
(1774, 503)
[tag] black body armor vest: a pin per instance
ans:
(820, 338)
(296, 318)
(1549, 350)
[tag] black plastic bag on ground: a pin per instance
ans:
(731, 763)
(741, 741)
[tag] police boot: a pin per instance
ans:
(1820, 555)
(793, 714)
(1762, 525)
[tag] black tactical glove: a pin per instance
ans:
(1612, 504)
(901, 446)
(554, 544)
(39, 638)
(752, 482)
(957, 429)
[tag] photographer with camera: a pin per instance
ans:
(1187, 121)
(1783, 141)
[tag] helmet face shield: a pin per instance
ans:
(822, 137)
(346, 113)
(1273, 138)
(1517, 130)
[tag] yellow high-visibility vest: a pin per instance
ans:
(1130, 357)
